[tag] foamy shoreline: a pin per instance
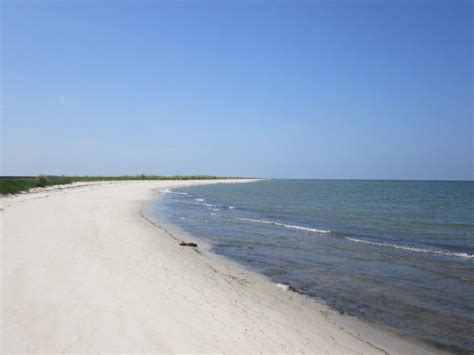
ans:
(84, 271)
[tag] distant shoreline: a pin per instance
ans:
(19, 184)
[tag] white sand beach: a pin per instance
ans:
(84, 271)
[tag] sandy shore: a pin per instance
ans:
(83, 271)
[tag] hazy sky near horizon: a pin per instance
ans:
(313, 89)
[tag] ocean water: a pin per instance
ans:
(396, 253)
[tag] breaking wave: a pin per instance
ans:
(413, 249)
(289, 226)
(168, 191)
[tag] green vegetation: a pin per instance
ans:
(15, 184)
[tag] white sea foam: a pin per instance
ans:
(283, 287)
(306, 229)
(199, 199)
(256, 220)
(414, 249)
(168, 191)
(231, 207)
(208, 205)
(215, 209)
(289, 226)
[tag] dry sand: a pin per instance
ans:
(84, 271)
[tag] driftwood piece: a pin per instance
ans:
(184, 244)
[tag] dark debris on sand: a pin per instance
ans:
(184, 244)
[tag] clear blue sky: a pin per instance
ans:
(333, 89)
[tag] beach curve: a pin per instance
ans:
(83, 271)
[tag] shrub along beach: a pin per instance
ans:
(15, 184)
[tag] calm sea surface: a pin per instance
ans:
(398, 253)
